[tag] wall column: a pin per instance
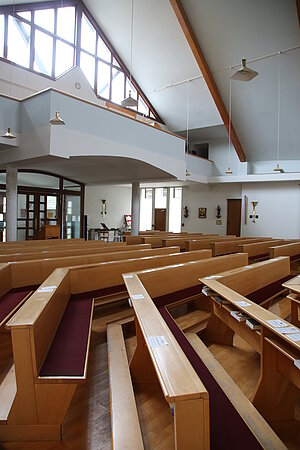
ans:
(135, 208)
(11, 203)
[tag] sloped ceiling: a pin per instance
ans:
(161, 57)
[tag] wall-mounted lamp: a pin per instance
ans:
(103, 210)
(253, 216)
(218, 215)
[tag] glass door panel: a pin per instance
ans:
(71, 216)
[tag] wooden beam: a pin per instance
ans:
(298, 10)
(203, 66)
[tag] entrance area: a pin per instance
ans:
(34, 212)
(44, 199)
(234, 209)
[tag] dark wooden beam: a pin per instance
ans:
(203, 66)
(298, 10)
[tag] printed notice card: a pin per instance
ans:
(157, 341)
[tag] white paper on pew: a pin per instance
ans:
(277, 323)
(157, 341)
(248, 267)
(128, 276)
(137, 297)
(287, 330)
(242, 303)
(47, 289)
(212, 277)
(294, 337)
(297, 363)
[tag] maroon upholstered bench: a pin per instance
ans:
(67, 354)
(269, 291)
(226, 425)
(12, 300)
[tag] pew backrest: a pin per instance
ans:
(41, 315)
(245, 280)
(259, 249)
(183, 276)
(292, 250)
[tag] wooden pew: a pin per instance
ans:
(200, 244)
(291, 250)
(293, 286)
(167, 365)
(40, 243)
(260, 250)
(86, 283)
(19, 279)
(84, 250)
(261, 283)
(278, 389)
(50, 338)
(148, 285)
(79, 245)
(181, 241)
(226, 247)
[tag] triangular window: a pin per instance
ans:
(52, 40)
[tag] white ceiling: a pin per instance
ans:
(100, 170)
(161, 56)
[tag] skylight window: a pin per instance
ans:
(87, 64)
(64, 58)
(103, 81)
(25, 15)
(44, 18)
(117, 87)
(66, 23)
(88, 35)
(43, 53)
(18, 46)
(102, 51)
(51, 41)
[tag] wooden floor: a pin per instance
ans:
(87, 424)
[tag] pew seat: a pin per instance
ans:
(12, 300)
(67, 355)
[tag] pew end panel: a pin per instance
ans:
(44, 389)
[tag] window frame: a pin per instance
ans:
(80, 9)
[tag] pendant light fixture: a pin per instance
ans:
(278, 169)
(228, 171)
(57, 120)
(244, 73)
(9, 134)
(130, 102)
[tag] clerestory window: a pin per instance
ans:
(51, 41)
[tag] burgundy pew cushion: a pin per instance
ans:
(67, 354)
(10, 300)
(268, 291)
(227, 428)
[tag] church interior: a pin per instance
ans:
(149, 224)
